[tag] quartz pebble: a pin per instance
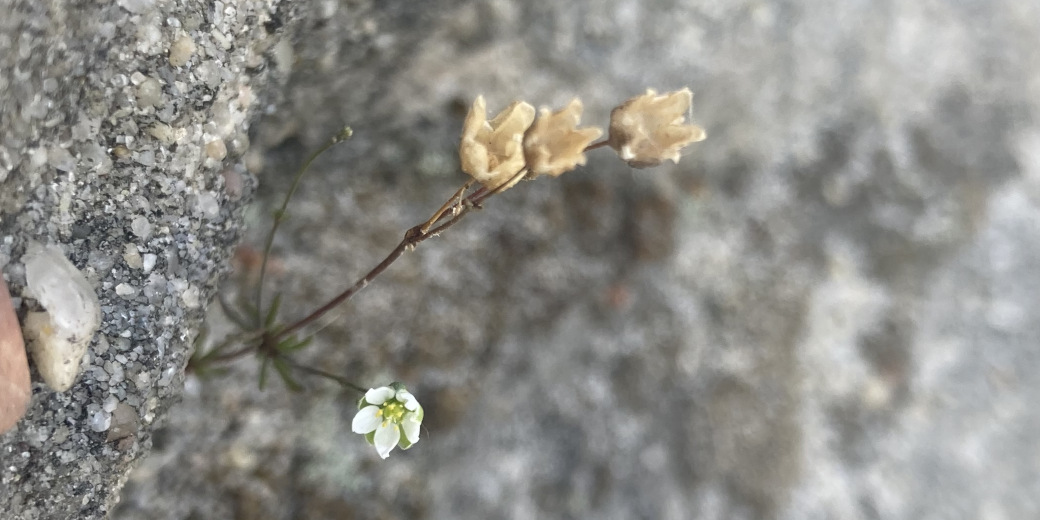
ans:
(14, 367)
(125, 290)
(99, 420)
(208, 205)
(216, 149)
(190, 297)
(59, 336)
(132, 256)
(148, 262)
(181, 51)
(141, 227)
(149, 93)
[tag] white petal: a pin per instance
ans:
(411, 428)
(387, 436)
(366, 420)
(409, 400)
(378, 396)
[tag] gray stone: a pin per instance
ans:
(83, 88)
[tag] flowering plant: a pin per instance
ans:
(497, 154)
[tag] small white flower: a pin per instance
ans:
(385, 413)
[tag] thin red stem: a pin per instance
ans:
(412, 238)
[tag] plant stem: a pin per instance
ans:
(327, 375)
(454, 209)
(279, 215)
(237, 353)
(449, 204)
(360, 284)
(412, 238)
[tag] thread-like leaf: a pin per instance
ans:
(263, 372)
(272, 313)
(252, 314)
(291, 345)
(231, 313)
(285, 371)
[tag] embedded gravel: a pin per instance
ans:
(121, 122)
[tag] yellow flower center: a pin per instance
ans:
(393, 411)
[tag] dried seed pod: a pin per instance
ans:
(649, 129)
(554, 144)
(492, 151)
(15, 389)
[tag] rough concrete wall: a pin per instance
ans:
(120, 125)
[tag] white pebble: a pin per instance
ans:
(216, 150)
(181, 51)
(208, 205)
(145, 158)
(166, 134)
(99, 421)
(148, 37)
(149, 93)
(132, 257)
(148, 262)
(141, 227)
(190, 297)
(59, 336)
(125, 290)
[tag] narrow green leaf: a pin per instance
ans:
(272, 313)
(291, 345)
(263, 372)
(249, 311)
(286, 372)
(231, 313)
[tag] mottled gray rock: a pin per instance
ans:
(104, 153)
(824, 311)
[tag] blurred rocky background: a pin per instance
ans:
(825, 310)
